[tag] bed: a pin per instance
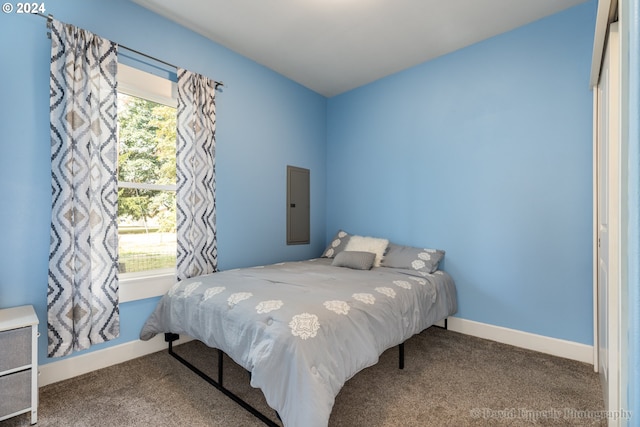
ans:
(303, 328)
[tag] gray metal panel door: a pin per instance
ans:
(298, 206)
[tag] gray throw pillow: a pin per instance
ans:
(337, 244)
(408, 257)
(355, 260)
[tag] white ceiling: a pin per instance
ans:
(332, 46)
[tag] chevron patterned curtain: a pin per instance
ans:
(195, 169)
(82, 298)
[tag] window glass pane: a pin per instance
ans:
(147, 155)
(146, 230)
(147, 141)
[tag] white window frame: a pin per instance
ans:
(135, 82)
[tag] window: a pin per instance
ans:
(146, 183)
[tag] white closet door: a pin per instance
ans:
(608, 222)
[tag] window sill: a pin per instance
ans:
(149, 284)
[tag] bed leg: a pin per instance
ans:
(170, 337)
(220, 368)
(444, 321)
(401, 356)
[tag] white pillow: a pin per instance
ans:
(368, 244)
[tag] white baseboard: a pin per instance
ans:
(72, 367)
(556, 347)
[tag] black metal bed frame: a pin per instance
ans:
(170, 338)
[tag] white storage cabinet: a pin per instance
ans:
(18, 362)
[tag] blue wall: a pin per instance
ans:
(487, 154)
(264, 123)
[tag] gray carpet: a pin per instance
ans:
(449, 379)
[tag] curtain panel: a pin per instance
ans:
(82, 298)
(195, 181)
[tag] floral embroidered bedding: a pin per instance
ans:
(304, 328)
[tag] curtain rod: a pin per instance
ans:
(217, 83)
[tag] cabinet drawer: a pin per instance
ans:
(15, 392)
(15, 348)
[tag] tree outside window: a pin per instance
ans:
(147, 181)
